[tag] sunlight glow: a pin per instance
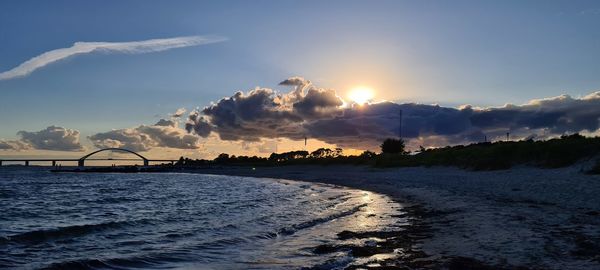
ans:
(361, 95)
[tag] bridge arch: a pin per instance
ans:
(81, 161)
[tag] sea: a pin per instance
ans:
(180, 221)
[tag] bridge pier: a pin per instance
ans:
(26, 162)
(81, 163)
(54, 163)
(0, 162)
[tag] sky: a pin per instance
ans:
(133, 63)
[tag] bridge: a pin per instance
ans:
(81, 161)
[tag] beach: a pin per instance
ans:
(522, 218)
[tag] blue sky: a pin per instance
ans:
(484, 53)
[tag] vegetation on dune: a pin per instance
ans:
(553, 153)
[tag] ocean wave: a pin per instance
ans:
(115, 263)
(149, 260)
(40, 236)
(311, 223)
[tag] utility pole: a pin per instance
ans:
(305, 139)
(400, 124)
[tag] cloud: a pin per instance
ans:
(132, 47)
(258, 117)
(264, 113)
(556, 115)
(165, 133)
(13, 145)
(263, 147)
(198, 124)
(295, 81)
(591, 11)
(308, 111)
(318, 102)
(51, 138)
(166, 123)
(179, 112)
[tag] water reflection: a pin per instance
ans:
(179, 221)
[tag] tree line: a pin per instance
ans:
(553, 153)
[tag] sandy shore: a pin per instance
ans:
(519, 218)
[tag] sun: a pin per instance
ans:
(361, 95)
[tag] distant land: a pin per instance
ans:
(554, 153)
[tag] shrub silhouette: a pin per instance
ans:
(393, 146)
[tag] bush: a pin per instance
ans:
(393, 146)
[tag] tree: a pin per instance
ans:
(180, 162)
(288, 156)
(222, 158)
(324, 153)
(368, 154)
(393, 146)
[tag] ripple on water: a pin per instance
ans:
(91, 221)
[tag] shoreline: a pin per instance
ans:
(523, 218)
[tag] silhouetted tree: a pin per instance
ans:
(288, 156)
(222, 158)
(574, 136)
(180, 162)
(368, 154)
(393, 146)
(326, 152)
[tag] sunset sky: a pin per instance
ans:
(79, 75)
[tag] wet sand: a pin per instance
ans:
(523, 218)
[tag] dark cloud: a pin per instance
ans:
(198, 125)
(557, 115)
(321, 114)
(366, 126)
(318, 103)
(295, 81)
(52, 138)
(165, 133)
(260, 113)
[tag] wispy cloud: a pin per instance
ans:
(133, 47)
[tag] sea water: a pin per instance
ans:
(176, 220)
